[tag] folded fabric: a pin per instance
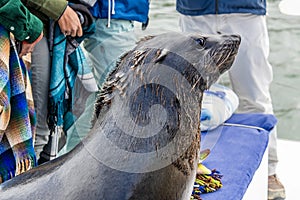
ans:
(17, 116)
(86, 76)
(206, 183)
(68, 61)
(218, 104)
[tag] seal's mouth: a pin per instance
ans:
(224, 54)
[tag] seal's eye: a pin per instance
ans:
(200, 41)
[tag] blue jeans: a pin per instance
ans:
(40, 74)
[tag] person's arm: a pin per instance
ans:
(59, 11)
(28, 47)
(15, 17)
(51, 8)
(69, 23)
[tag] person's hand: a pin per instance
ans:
(69, 23)
(28, 47)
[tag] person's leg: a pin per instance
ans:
(251, 77)
(107, 45)
(104, 48)
(251, 73)
(40, 71)
(205, 24)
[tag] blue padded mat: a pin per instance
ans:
(236, 151)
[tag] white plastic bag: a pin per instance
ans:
(218, 104)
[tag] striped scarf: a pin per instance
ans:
(68, 61)
(17, 116)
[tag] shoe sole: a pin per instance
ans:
(276, 195)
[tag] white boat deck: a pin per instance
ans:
(287, 171)
(289, 166)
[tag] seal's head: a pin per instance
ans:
(211, 55)
(221, 49)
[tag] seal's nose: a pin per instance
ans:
(237, 38)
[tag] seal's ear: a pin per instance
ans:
(161, 54)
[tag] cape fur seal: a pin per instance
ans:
(146, 138)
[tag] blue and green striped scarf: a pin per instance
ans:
(17, 116)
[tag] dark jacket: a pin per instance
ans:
(204, 7)
(15, 17)
(50, 8)
(46, 10)
(135, 10)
